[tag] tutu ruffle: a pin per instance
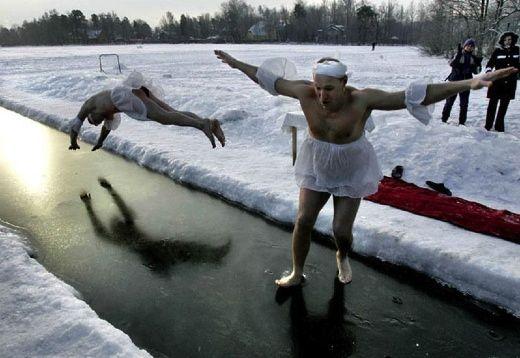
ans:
(348, 169)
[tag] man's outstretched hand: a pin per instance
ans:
(226, 58)
(486, 79)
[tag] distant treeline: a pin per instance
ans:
(438, 25)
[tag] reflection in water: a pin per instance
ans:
(28, 158)
(317, 335)
(158, 255)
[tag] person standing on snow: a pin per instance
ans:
(336, 159)
(463, 66)
(505, 55)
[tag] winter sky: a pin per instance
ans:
(15, 12)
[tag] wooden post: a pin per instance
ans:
(294, 133)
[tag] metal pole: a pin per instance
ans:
(118, 64)
(294, 133)
(109, 54)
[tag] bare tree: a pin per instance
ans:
(483, 19)
(367, 23)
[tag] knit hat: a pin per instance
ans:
(469, 42)
(514, 37)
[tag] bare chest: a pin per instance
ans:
(339, 127)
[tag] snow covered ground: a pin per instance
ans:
(42, 316)
(49, 84)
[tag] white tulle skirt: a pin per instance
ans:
(348, 169)
(127, 102)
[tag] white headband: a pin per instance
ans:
(330, 68)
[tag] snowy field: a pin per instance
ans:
(48, 84)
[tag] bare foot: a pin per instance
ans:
(345, 272)
(217, 131)
(207, 129)
(290, 280)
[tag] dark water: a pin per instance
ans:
(186, 275)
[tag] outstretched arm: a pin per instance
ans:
(381, 100)
(294, 89)
(104, 134)
(439, 91)
(247, 69)
(98, 225)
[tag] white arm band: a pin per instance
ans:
(414, 95)
(267, 80)
(271, 70)
(76, 124)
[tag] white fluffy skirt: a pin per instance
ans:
(348, 169)
(128, 103)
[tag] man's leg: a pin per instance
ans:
(345, 210)
(447, 108)
(169, 108)
(464, 102)
(214, 124)
(491, 111)
(502, 110)
(160, 103)
(311, 202)
(160, 115)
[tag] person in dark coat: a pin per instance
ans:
(505, 55)
(463, 66)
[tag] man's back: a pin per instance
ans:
(101, 103)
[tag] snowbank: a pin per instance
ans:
(43, 316)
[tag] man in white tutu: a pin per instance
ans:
(336, 159)
(135, 98)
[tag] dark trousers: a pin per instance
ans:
(491, 110)
(464, 100)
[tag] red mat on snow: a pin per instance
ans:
(466, 214)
